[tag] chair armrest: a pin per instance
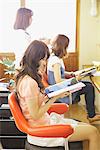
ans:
(51, 131)
(59, 108)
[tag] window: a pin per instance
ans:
(8, 10)
(51, 17)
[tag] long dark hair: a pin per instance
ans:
(23, 18)
(59, 45)
(36, 51)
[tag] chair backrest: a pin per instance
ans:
(16, 112)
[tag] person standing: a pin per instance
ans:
(21, 37)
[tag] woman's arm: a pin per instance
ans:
(69, 72)
(57, 72)
(32, 96)
(37, 111)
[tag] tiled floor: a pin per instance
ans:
(78, 112)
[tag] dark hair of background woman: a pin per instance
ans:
(59, 45)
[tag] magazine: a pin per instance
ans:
(69, 85)
(86, 72)
(3, 86)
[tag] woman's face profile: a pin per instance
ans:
(42, 66)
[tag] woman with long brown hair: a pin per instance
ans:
(35, 104)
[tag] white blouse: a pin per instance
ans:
(19, 44)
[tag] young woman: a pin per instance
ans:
(56, 73)
(21, 37)
(30, 92)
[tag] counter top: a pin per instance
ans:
(96, 81)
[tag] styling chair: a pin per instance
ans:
(50, 131)
(45, 80)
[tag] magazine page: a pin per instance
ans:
(86, 72)
(70, 85)
(97, 74)
(3, 86)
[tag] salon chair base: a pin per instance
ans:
(72, 146)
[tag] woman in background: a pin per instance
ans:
(31, 96)
(56, 73)
(21, 37)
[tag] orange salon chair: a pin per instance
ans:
(46, 84)
(45, 80)
(51, 131)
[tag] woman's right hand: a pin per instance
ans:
(78, 77)
(62, 95)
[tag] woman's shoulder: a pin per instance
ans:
(27, 85)
(18, 42)
(54, 57)
(19, 33)
(53, 60)
(28, 80)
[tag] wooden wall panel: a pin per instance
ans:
(7, 55)
(71, 63)
(11, 56)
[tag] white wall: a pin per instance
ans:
(89, 34)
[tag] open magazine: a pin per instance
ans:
(70, 85)
(3, 86)
(86, 72)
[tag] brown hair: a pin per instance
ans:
(23, 18)
(59, 45)
(36, 51)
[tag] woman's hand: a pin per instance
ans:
(78, 77)
(69, 75)
(64, 94)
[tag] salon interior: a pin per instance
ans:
(80, 21)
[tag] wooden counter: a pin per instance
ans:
(96, 81)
